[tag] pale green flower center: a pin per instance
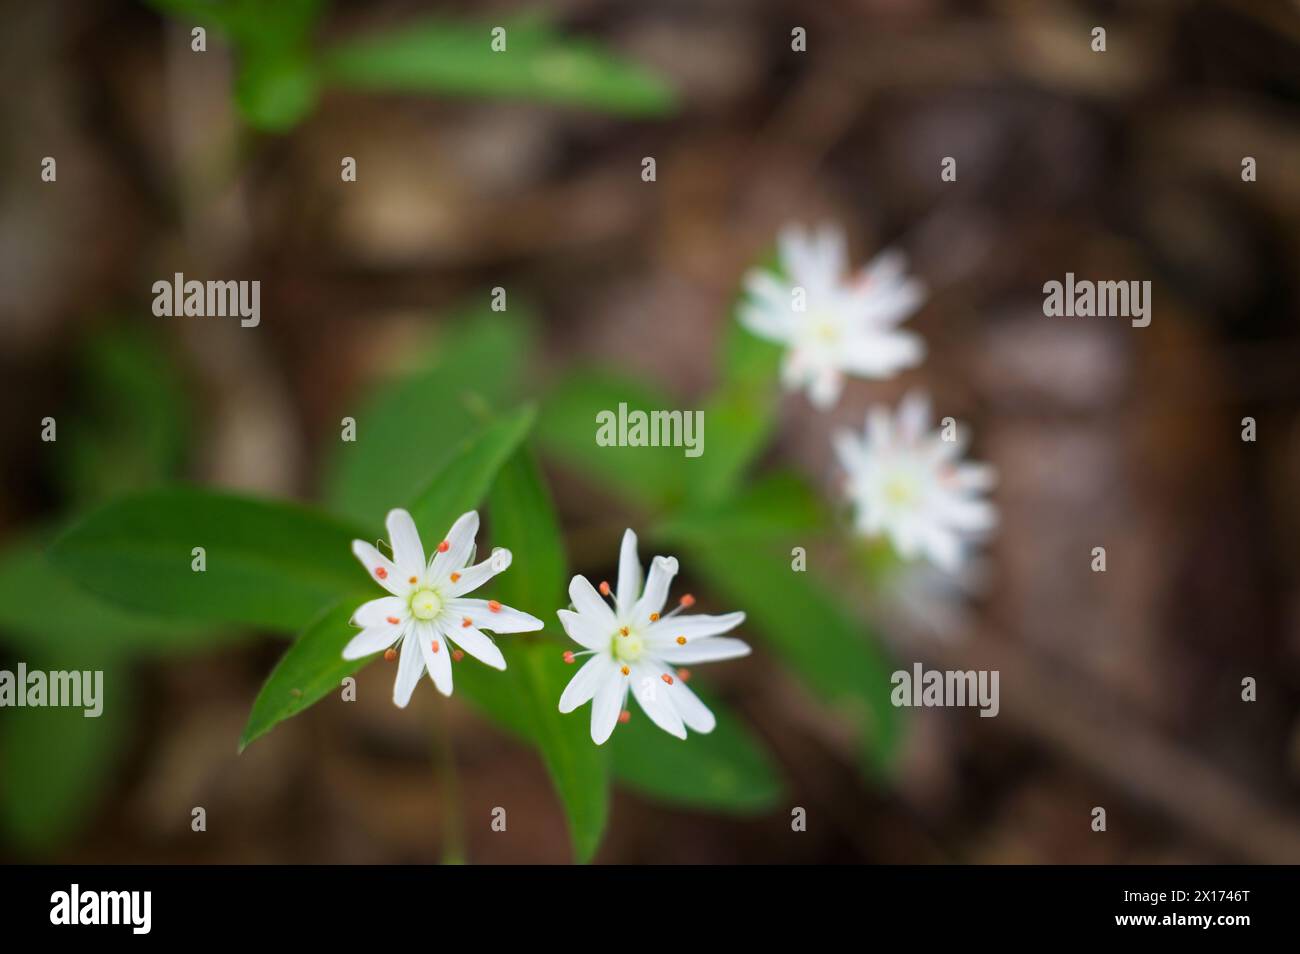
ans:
(426, 604)
(628, 648)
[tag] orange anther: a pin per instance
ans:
(466, 622)
(684, 675)
(390, 654)
(455, 577)
(436, 647)
(681, 640)
(604, 588)
(381, 573)
(444, 547)
(457, 655)
(494, 606)
(687, 600)
(394, 620)
(624, 716)
(568, 656)
(667, 678)
(654, 617)
(625, 670)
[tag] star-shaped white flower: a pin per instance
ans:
(633, 647)
(428, 610)
(830, 322)
(907, 483)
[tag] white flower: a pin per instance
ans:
(632, 646)
(427, 610)
(833, 323)
(906, 482)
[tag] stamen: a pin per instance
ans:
(457, 655)
(381, 573)
(390, 654)
(684, 675)
(444, 547)
(667, 678)
(466, 622)
(681, 640)
(687, 601)
(568, 656)
(413, 580)
(394, 620)
(622, 630)
(624, 716)
(624, 670)
(494, 606)
(455, 577)
(436, 647)
(654, 617)
(604, 588)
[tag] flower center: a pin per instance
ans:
(628, 648)
(426, 604)
(901, 491)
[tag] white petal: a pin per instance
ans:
(695, 626)
(584, 632)
(371, 640)
(651, 694)
(410, 667)
(824, 388)
(437, 661)
(459, 540)
(474, 642)
(662, 571)
(629, 572)
(503, 619)
(589, 603)
(378, 611)
(381, 569)
(408, 554)
(694, 713)
(943, 548)
(587, 680)
(712, 649)
(472, 577)
(914, 415)
(605, 707)
(882, 355)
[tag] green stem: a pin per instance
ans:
(453, 822)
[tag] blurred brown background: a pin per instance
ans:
(1119, 689)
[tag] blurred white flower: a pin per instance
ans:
(427, 610)
(832, 323)
(632, 646)
(907, 483)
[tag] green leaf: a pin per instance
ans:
(727, 770)
(82, 624)
(467, 476)
(276, 91)
(54, 762)
(312, 667)
(778, 506)
(451, 58)
(433, 407)
(314, 664)
(740, 416)
(525, 700)
(271, 564)
(131, 427)
(816, 636)
(651, 477)
(523, 519)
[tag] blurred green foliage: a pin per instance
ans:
(440, 438)
(283, 70)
